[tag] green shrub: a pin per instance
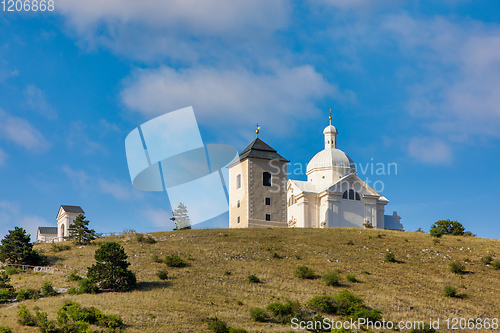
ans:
(450, 291)
(71, 313)
(446, 227)
(331, 279)
(227, 273)
(390, 257)
(234, 330)
(112, 321)
(174, 260)
(10, 270)
(372, 315)
(252, 278)
(487, 259)
(456, 267)
(350, 242)
(5, 295)
(48, 289)
(148, 239)
(5, 329)
(323, 303)
(304, 272)
(86, 286)
(284, 312)
(56, 247)
(346, 303)
(25, 318)
(351, 278)
(162, 275)
(24, 294)
(496, 264)
(74, 276)
(73, 291)
(44, 324)
(259, 314)
(216, 325)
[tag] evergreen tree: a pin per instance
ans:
(181, 217)
(79, 231)
(110, 271)
(17, 248)
(5, 281)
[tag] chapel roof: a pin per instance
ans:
(330, 158)
(71, 209)
(260, 149)
(47, 230)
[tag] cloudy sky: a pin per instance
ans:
(416, 83)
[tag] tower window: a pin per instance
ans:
(238, 181)
(238, 219)
(268, 201)
(351, 195)
(238, 204)
(266, 178)
(268, 217)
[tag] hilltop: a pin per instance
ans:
(214, 283)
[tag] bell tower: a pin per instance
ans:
(257, 187)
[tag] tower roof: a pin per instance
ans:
(260, 149)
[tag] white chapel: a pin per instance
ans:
(332, 196)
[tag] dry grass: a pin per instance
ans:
(410, 289)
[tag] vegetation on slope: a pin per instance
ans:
(213, 281)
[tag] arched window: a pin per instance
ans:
(266, 178)
(238, 181)
(351, 195)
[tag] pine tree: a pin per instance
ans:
(110, 271)
(17, 248)
(79, 231)
(5, 281)
(181, 217)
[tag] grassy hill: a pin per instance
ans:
(410, 289)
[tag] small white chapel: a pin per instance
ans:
(65, 217)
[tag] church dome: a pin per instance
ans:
(330, 129)
(328, 158)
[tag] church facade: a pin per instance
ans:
(332, 196)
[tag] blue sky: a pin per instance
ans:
(410, 82)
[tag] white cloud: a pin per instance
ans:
(118, 189)
(90, 183)
(145, 29)
(79, 178)
(21, 132)
(430, 150)
(36, 100)
(6, 73)
(460, 65)
(232, 98)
